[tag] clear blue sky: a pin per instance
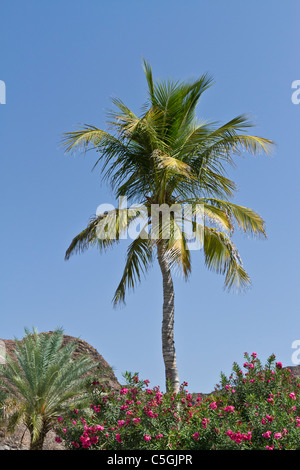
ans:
(62, 62)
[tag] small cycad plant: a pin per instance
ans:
(41, 380)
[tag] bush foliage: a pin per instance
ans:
(256, 407)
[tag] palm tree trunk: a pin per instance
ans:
(168, 347)
(38, 443)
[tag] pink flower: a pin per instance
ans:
(229, 409)
(136, 420)
(277, 435)
(58, 439)
(121, 423)
(213, 405)
(292, 396)
(118, 437)
(99, 427)
(60, 419)
(123, 391)
(205, 421)
(196, 436)
(279, 365)
(85, 441)
(269, 447)
(147, 438)
(238, 437)
(270, 418)
(266, 434)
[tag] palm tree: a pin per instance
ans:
(41, 382)
(166, 157)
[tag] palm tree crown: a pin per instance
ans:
(167, 157)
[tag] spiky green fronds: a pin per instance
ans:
(166, 156)
(44, 379)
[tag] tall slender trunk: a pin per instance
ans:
(168, 347)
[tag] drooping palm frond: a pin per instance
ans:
(103, 231)
(177, 250)
(139, 258)
(221, 256)
(87, 137)
(226, 214)
(247, 220)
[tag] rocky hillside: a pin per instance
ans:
(20, 440)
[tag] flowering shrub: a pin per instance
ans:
(255, 408)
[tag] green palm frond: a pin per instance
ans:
(221, 256)
(172, 165)
(149, 78)
(247, 220)
(226, 214)
(103, 231)
(177, 250)
(14, 419)
(87, 137)
(139, 258)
